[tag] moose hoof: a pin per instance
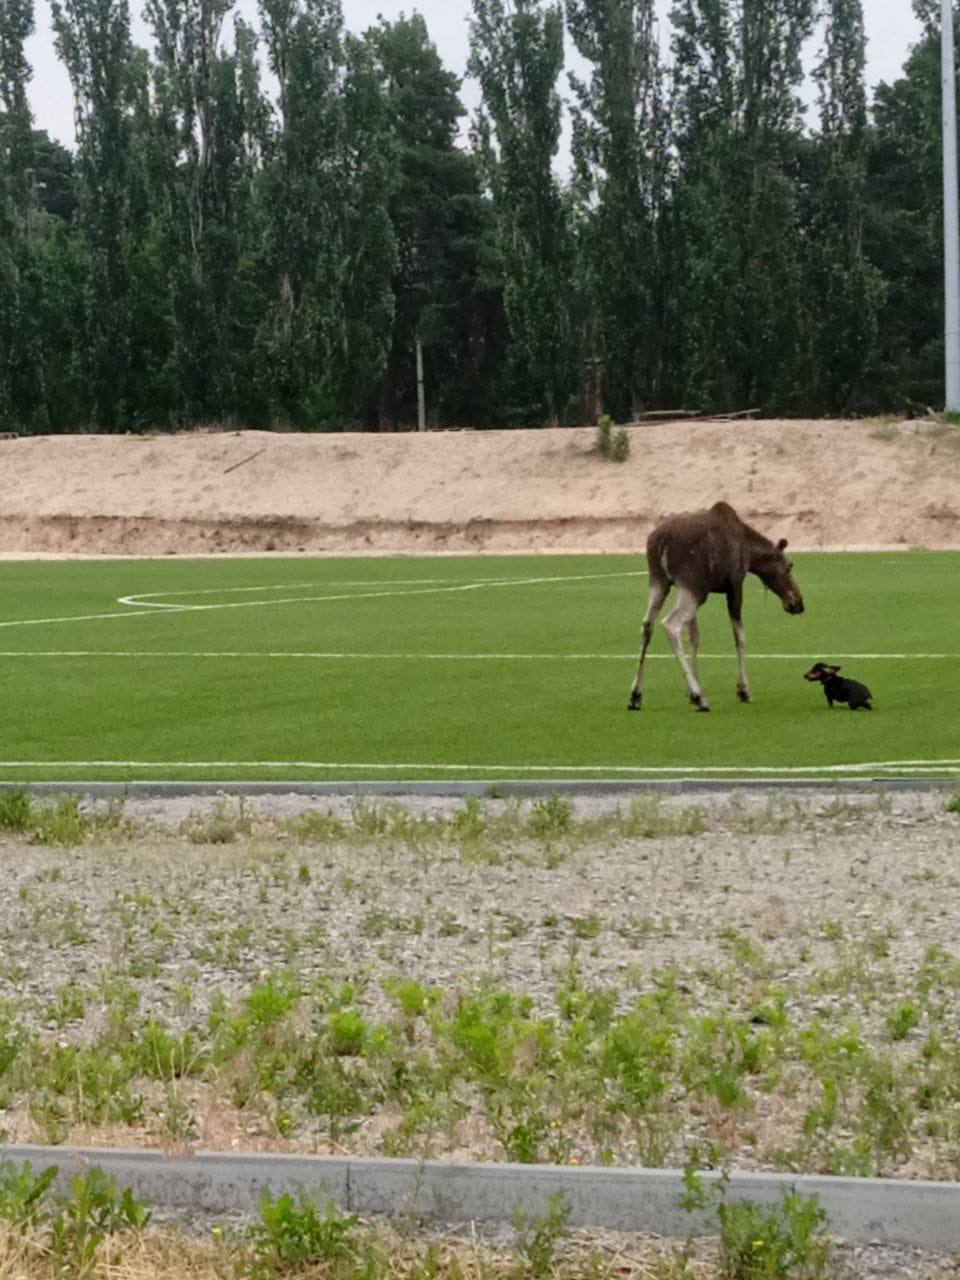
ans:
(699, 702)
(634, 706)
(744, 695)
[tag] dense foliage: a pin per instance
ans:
(275, 225)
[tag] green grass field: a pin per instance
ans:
(462, 668)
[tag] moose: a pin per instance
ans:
(705, 553)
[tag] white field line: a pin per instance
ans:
(885, 766)
(344, 656)
(152, 610)
(139, 601)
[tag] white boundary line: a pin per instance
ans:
(362, 656)
(139, 600)
(891, 766)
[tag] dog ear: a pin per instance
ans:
(834, 670)
(782, 544)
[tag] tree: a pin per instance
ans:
(21, 357)
(440, 222)
(620, 164)
(903, 230)
(737, 133)
(845, 291)
(330, 250)
(517, 55)
(93, 40)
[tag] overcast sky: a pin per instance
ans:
(891, 28)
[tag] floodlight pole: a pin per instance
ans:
(951, 215)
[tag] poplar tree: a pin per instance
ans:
(330, 249)
(93, 40)
(845, 291)
(737, 133)
(440, 222)
(21, 352)
(517, 55)
(619, 155)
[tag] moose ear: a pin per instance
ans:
(782, 544)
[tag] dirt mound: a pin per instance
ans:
(821, 484)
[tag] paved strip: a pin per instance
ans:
(160, 789)
(918, 1214)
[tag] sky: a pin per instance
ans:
(891, 29)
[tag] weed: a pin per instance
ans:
(537, 1238)
(550, 817)
(221, 826)
(902, 1019)
(15, 810)
(785, 1243)
(294, 1231)
(22, 1195)
(93, 1211)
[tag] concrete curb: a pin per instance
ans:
(484, 790)
(918, 1214)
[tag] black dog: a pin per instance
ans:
(856, 695)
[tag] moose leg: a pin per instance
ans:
(680, 616)
(734, 606)
(655, 598)
(693, 639)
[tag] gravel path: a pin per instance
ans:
(838, 910)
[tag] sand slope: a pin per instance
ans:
(821, 484)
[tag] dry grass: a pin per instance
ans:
(383, 1254)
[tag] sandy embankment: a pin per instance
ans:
(821, 484)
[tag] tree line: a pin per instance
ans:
(221, 249)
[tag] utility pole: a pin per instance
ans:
(951, 216)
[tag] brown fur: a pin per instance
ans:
(704, 553)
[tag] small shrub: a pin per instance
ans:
(954, 805)
(620, 445)
(611, 444)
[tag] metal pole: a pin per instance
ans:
(951, 216)
(421, 398)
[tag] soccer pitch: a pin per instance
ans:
(461, 668)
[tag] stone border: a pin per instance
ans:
(869, 1210)
(141, 789)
